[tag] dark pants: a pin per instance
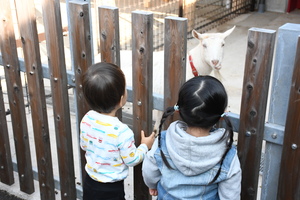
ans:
(94, 190)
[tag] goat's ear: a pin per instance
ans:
(228, 32)
(196, 34)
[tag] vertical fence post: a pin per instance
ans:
(280, 92)
(180, 8)
(6, 167)
(70, 22)
(289, 177)
(58, 77)
(254, 100)
(17, 107)
(174, 61)
(109, 38)
(142, 64)
(109, 34)
(29, 37)
(82, 58)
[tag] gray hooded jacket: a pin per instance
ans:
(195, 161)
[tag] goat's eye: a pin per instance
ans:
(223, 45)
(204, 45)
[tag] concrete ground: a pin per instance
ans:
(232, 71)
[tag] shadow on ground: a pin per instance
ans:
(6, 196)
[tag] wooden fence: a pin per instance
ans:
(250, 124)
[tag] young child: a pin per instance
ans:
(191, 159)
(109, 144)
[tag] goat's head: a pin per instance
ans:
(211, 47)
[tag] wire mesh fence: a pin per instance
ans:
(202, 15)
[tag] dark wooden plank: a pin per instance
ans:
(82, 58)
(6, 167)
(110, 37)
(254, 100)
(142, 78)
(59, 87)
(16, 100)
(289, 177)
(174, 61)
(180, 13)
(109, 34)
(28, 30)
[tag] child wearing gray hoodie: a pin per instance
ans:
(191, 159)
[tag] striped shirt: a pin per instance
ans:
(110, 147)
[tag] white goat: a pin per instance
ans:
(206, 57)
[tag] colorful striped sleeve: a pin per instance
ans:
(130, 154)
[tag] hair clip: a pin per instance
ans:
(224, 114)
(176, 108)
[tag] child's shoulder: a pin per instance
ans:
(231, 154)
(122, 129)
(163, 135)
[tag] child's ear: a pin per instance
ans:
(121, 104)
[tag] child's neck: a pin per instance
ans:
(197, 132)
(112, 113)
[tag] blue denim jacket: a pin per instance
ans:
(173, 184)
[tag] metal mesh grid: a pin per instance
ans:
(202, 15)
(211, 13)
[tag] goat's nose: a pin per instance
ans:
(215, 62)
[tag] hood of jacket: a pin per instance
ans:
(194, 155)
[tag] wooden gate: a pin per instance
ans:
(250, 123)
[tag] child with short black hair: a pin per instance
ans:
(192, 159)
(109, 144)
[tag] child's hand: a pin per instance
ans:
(153, 192)
(147, 140)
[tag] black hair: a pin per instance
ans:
(201, 102)
(103, 85)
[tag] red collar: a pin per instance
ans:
(194, 70)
